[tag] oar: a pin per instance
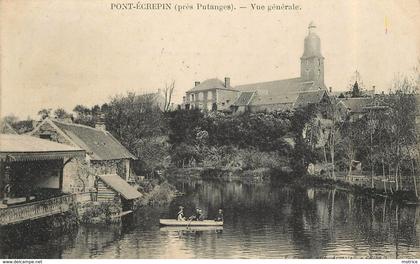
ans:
(189, 222)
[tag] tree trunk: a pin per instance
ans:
(414, 178)
(350, 169)
(333, 162)
(326, 160)
(372, 184)
(383, 174)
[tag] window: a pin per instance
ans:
(46, 136)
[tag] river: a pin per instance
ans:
(262, 220)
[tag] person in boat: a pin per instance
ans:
(181, 216)
(219, 216)
(198, 216)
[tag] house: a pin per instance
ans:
(6, 128)
(213, 94)
(31, 178)
(104, 154)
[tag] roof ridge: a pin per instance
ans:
(294, 78)
(77, 125)
(313, 91)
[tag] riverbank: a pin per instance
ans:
(227, 173)
(408, 197)
(284, 176)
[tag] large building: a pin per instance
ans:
(214, 94)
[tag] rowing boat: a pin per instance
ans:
(174, 222)
(190, 228)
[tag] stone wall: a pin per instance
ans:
(78, 177)
(118, 167)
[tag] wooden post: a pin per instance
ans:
(60, 180)
(6, 179)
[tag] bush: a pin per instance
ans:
(159, 195)
(99, 212)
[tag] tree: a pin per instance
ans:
(303, 153)
(83, 115)
(10, 119)
(130, 118)
(169, 89)
(60, 113)
(44, 113)
(153, 154)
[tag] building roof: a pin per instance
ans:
(356, 105)
(309, 97)
(119, 185)
(22, 147)
(276, 92)
(158, 98)
(6, 128)
(208, 85)
(99, 144)
(244, 99)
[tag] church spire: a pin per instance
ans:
(312, 61)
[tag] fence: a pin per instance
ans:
(35, 210)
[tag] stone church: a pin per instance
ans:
(214, 94)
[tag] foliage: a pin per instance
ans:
(99, 212)
(303, 153)
(153, 154)
(158, 195)
(60, 113)
(44, 113)
(131, 118)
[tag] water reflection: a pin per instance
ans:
(261, 221)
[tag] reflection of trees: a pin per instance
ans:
(319, 222)
(261, 221)
(35, 239)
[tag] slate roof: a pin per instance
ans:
(276, 92)
(22, 147)
(309, 97)
(357, 105)
(208, 85)
(99, 144)
(119, 185)
(244, 99)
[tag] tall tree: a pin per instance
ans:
(44, 113)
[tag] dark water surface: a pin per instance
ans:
(261, 221)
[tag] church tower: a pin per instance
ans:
(312, 61)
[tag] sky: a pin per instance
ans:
(63, 53)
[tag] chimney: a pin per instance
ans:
(330, 89)
(196, 83)
(227, 82)
(100, 121)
